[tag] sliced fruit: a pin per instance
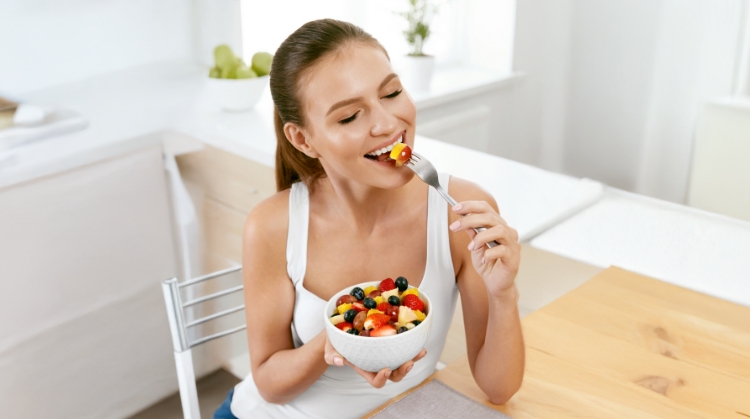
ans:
(374, 311)
(374, 321)
(374, 293)
(359, 306)
(345, 299)
(359, 320)
(379, 299)
(337, 319)
(410, 291)
(406, 315)
(420, 315)
(344, 326)
(410, 326)
(388, 294)
(370, 289)
(401, 153)
(386, 330)
(383, 307)
(386, 285)
(413, 302)
(393, 312)
(364, 333)
(343, 308)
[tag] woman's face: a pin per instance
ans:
(355, 106)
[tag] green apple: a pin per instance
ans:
(245, 73)
(261, 63)
(224, 57)
(214, 73)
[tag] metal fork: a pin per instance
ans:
(426, 171)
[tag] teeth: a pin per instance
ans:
(386, 149)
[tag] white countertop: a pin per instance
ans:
(703, 251)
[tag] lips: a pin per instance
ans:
(382, 153)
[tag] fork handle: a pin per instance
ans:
(453, 203)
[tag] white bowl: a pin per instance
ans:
(237, 95)
(375, 353)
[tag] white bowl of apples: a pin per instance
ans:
(233, 86)
(377, 343)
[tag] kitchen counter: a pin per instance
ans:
(169, 104)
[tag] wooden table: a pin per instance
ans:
(624, 346)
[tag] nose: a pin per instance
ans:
(384, 122)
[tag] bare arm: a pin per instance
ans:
(488, 294)
(280, 371)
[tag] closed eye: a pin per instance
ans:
(349, 119)
(394, 94)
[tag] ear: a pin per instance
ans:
(299, 139)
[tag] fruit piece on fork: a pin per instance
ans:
(401, 153)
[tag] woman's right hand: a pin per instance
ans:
(378, 379)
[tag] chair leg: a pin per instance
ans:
(186, 380)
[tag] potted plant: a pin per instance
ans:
(418, 66)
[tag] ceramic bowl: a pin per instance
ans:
(373, 354)
(236, 95)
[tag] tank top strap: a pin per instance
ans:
(438, 238)
(296, 242)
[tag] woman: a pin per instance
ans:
(343, 216)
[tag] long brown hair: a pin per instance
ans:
(299, 52)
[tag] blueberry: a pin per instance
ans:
(394, 301)
(403, 329)
(352, 331)
(358, 293)
(349, 315)
(369, 303)
(402, 284)
(416, 322)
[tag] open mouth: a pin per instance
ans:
(383, 154)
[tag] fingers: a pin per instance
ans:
(331, 356)
(401, 371)
(502, 234)
(376, 380)
(476, 220)
(473, 207)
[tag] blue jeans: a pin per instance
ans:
(224, 412)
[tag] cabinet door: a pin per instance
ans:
(84, 331)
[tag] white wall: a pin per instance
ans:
(613, 87)
(48, 42)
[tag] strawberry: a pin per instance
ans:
(383, 307)
(386, 285)
(344, 326)
(413, 302)
(374, 321)
(359, 306)
(385, 330)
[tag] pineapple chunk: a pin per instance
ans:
(420, 315)
(387, 294)
(343, 308)
(370, 289)
(379, 299)
(406, 315)
(410, 326)
(337, 319)
(373, 311)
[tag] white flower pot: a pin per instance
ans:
(416, 72)
(236, 95)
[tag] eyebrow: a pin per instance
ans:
(356, 99)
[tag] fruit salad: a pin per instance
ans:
(387, 309)
(401, 153)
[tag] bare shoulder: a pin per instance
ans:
(269, 218)
(465, 190)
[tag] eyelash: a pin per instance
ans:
(353, 117)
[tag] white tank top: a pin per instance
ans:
(340, 392)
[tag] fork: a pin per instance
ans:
(426, 171)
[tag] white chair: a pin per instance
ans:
(183, 355)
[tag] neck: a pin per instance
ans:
(360, 205)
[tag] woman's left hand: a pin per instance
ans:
(498, 265)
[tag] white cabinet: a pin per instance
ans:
(83, 332)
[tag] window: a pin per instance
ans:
(465, 32)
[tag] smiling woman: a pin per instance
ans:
(344, 214)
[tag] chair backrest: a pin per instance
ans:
(180, 336)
